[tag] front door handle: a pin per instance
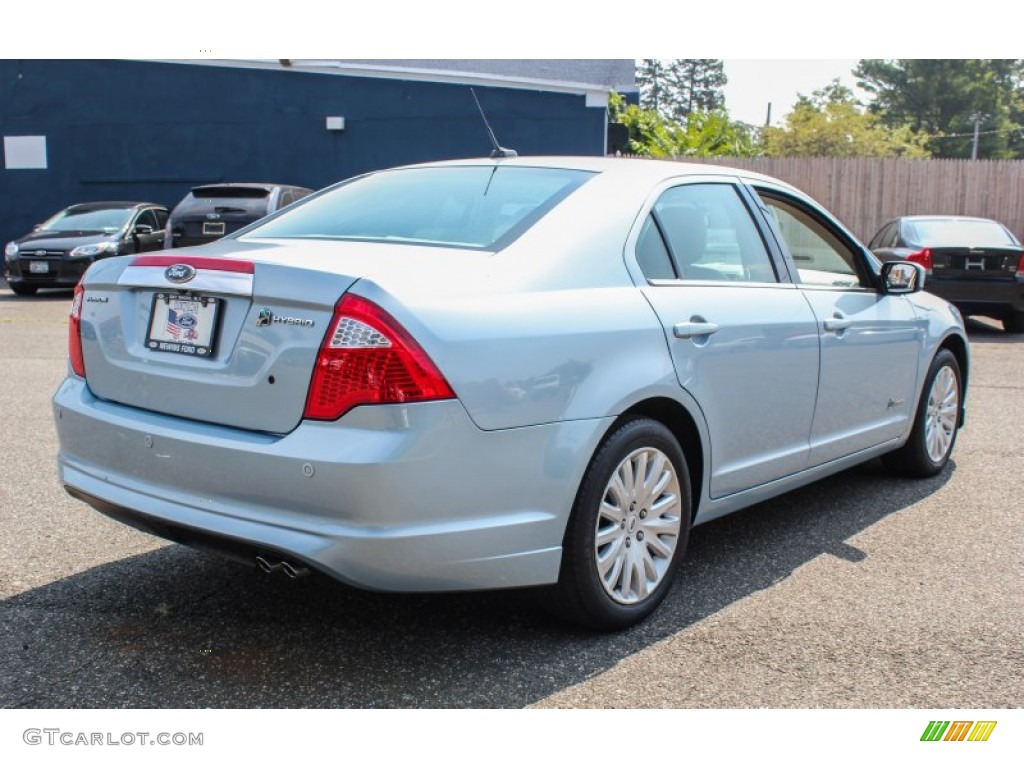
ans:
(693, 330)
(838, 323)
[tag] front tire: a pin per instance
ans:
(931, 441)
(20, 289)
(1014, 322)
(628, 530)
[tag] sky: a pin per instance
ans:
(754, 83)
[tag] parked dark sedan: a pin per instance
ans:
(975, 264)
(209, 212)
(57, 252)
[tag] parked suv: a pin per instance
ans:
(56, 253)
(209, 212)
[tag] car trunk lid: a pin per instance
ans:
(231, 341)
(964, 263)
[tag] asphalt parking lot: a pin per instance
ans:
(859, 591)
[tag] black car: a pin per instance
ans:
(211, 211)
(57, 252)
(975, 264)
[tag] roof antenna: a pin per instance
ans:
(498, 151)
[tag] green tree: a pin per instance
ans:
(698, 84)
(943, 97)
(652, 77)
(705, 133)
(674, 88)
(830, 123)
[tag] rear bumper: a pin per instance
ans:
(400, 498)
(982, 297)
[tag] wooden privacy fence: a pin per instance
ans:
(866, 192)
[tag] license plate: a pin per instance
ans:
(186, 325)
(213, 228)
(39, 267)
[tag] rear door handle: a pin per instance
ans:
(692, 330)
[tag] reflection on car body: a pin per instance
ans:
(516, 372)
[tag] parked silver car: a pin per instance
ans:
(502, 373)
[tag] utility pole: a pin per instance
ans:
(976, 117)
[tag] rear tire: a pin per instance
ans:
(931, 441)
(1014, 322)
(628, 530)
(20, 289)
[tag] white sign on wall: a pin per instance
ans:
(24, 152)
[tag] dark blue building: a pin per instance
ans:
(78, 131)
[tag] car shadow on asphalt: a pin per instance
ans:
(989, 332)
(177, 628)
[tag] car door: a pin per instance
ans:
(870, 341)
(146, 232)
(743, 340)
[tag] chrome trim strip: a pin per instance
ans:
(206, 280)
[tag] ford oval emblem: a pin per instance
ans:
(213, 216)
(180, 273)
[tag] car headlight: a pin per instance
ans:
(11, 250)
(95, 249)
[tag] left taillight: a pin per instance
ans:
(1020, 267)
(922, 257)
(75, 333)
(367, 358)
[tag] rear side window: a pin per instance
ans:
(483, 207)
(710, 235)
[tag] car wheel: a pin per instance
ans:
(935, 426)
(21, 289)
(1014, 322)
(628, 530)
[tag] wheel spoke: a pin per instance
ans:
(640, 477)
(659, 547)
(608, 535)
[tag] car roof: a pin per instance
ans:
(108, 204)
(633, 167)
(943, 217)
(243, 185)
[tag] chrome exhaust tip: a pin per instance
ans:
(293, 571)
(265, 565)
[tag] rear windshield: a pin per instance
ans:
(222, 191)
(483, 207)
(949, 232)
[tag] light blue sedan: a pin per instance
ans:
(501, 373)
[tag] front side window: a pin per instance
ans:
(820, 256)
(480, 207)
(709, 234)
(148, 218)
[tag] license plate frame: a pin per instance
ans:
(39, 267)
(183, 324)
(213, 228)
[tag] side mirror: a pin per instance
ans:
(143, 229)
(900, 277)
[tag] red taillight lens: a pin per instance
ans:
(1020, 267)
(75, 333)
(366, 358)
(922, 257)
